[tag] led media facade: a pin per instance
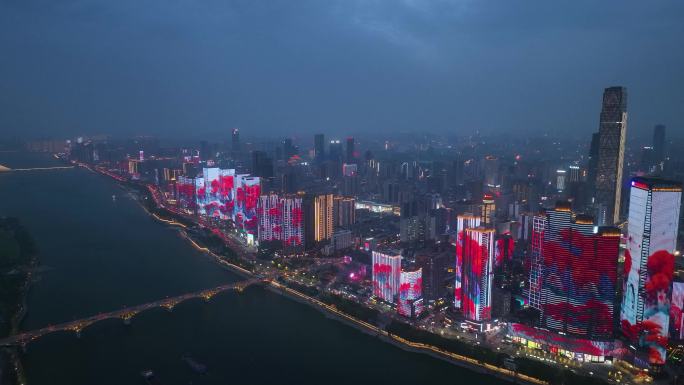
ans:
(463, 222)
(676, 307)
(504, 250)
(280, 219)
(649, 264)
(185, 193)
(579, 275)
(386, 275)
(223, 195)
(478, 261)
(410, 289)
(536, 248)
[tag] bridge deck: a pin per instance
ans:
(125, 313)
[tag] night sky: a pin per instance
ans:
(197, 68)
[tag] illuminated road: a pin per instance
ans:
(125, 314)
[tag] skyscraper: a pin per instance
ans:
(536, 259)
(654, 207)
(319, 147)
(578, 275)
(386, 271)
(318, 218)
(612, 134)
(344, 211)
(350, 150)
(280, 219)
(478, 270)
(463, 222)
(410, 293)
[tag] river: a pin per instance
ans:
(100, 254)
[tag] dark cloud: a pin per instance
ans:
(185, 67)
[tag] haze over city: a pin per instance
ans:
(178, 68)
(341, 192)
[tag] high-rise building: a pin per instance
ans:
(386, 275)
(350, 150)
(654, 208)
(280, 219)
(235, 140)
(344, 212)
(659, 143)
(612, 135)
(579, 273)
(491, 171)
(319, 147)
(478, 269)
(410, 292)
(289, 149)
(488, 211)
(262, 164)
(536, 259)
(463, 222)
(318, 218)
(335, 150)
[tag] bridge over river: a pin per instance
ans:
(125, 314)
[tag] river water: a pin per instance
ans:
(100, 254)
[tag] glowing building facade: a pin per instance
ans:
(654, 207)
(478, 264)
(536, 249)
(463, 222)
(280, 219)
(676, 307)
(224, 195)
(386, 275)
(185, 194)
(410, 291)
(579, 275)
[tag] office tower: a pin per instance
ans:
(463, 222)
(205, 152)
(654, 208)
(289, 149)
(280, 219)
(561, 176)
(536, 259)
(659, 143)
(478, 266)
(488, 211)
(235, 140)
(579, 273)
(335, 150)
(386, 275)
(262, 164)
(612, 134)
(491, 171)
(319, 147)
(318, 218)
(350, 150)
(344, 212)
(409, 303)
(574, 174)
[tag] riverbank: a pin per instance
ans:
(332, 312)
(18, 260)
